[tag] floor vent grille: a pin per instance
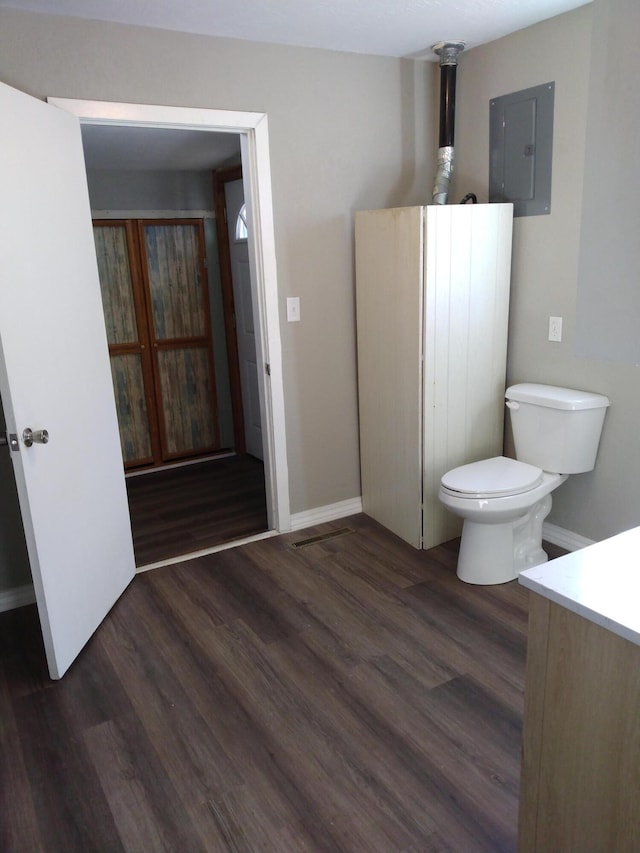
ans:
(315, 540)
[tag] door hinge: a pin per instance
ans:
(267, 369)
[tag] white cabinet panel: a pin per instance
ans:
(432, 305)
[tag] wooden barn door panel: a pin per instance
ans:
(156, 306)
(180, 332)
(123, 301)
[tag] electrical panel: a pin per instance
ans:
(521, 148)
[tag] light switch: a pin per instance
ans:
(293, 309)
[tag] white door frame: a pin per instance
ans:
(254, 139)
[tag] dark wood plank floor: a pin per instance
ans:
(180, 510)
(351, 695)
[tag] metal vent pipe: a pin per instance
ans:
(448, 52)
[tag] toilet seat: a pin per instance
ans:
(490, 478)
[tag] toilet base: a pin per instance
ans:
(497, 553)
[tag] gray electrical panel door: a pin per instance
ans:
(520, 149)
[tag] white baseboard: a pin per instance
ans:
(330, 512)
(564, 538)
(10, 599)
(20, 596)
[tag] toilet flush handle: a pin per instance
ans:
(513, 405)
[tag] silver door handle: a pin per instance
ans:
(29, 436)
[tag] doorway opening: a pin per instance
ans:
(248, 132)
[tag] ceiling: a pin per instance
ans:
(141, 148)
(383, 27)
(395, 28)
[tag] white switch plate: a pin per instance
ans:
(293, 309)
(555, 328)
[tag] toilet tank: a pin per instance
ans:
(556, 429)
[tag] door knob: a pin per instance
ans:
(41, 436)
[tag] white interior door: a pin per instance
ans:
(245, 330)
(55, 375)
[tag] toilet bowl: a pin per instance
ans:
(503, 503)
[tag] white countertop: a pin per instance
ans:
(600, 582)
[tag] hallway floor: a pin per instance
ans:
(188, 508)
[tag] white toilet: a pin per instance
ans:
(503, 501)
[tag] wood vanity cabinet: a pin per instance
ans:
(580, 781)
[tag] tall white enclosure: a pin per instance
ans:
(432, 293)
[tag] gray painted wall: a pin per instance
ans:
(546, 276)
(346, 132)
(608, 315)
(151, 189)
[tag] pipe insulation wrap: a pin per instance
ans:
(443, 175)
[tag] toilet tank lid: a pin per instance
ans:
(554, 397)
